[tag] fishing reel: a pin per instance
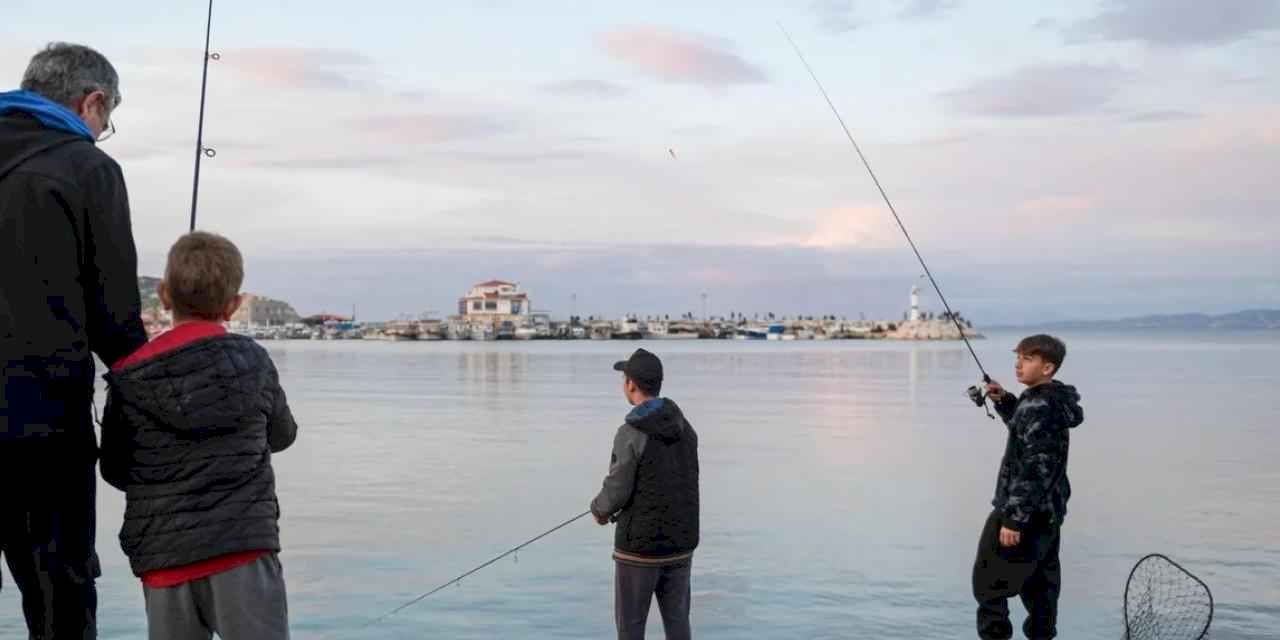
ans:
(978, 395)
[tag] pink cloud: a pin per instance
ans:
(679, 57)
(1271, 134)
(427, 128)
(338, 69)
(850, 226)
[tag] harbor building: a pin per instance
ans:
(495, 301)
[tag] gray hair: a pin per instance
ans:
(65, 73)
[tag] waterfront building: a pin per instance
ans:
(495, 301)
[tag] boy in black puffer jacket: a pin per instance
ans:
(1018, 548)
(191, 421)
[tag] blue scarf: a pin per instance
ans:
(47, 112)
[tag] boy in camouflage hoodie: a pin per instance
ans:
(1018, 550)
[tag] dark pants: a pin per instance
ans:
(1029, 569)
(47, 521)
(634, 588)
(244, 603)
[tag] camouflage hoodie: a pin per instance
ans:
(1033, 473)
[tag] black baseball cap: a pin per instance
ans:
(642, 366)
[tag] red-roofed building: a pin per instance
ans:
(495, 299)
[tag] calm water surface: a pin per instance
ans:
(843, 484)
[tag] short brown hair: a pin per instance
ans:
(1051, 349)
(203, 275)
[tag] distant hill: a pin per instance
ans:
(1250, 319)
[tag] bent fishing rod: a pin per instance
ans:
(201, 150)
(459, 579)
(975, 393)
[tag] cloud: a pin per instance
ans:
(675, 56)
(837, 16)
(1044, 90)
(428, 128)
(586, 88)
(401, 158)
(920, 9)
(840, 16)
(1175, 23)
(318, 69)
(1057, 204)
(1165, 115)
(843, 227)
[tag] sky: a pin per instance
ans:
(1084, 160)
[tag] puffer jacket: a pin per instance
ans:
(188, 435)
(652, 486)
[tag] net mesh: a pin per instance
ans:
(1163, 601)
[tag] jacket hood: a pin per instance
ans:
(181, 389)
(660, 418)
(23, 136)
(49, 113)
(1064, 399)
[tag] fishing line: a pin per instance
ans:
(896, 217)
(478, 568)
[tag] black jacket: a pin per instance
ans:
(1033, 472)
(653, 484)
(188, 435)
(68, 277)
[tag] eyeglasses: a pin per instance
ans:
(111, 126)
(109, 131)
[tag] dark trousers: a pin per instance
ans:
(634, 588)
(47, 522)
(1029, 569)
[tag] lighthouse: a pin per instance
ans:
(915, 303)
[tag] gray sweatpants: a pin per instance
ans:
(634, 588)
(244, 603)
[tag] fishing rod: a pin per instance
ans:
(459, 579)
(979, 398)
(201, 150)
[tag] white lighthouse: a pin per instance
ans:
(915, 303)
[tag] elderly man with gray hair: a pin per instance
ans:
(68, 289)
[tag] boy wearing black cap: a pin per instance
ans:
(652, 493)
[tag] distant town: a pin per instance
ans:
(500, 310)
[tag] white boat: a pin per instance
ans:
(629, 328)
(664, 330)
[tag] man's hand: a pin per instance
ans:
(600, 520)
(995, 391)
(1009, 537)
